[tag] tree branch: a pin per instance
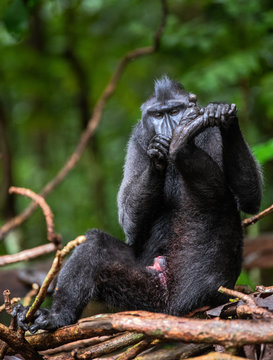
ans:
(51, 234)
(27, 254)
(251, 308)
(118, 342)
(92, 124)
(18, 343)
(167, 327)
(253, 219)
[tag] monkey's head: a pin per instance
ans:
(163, 111)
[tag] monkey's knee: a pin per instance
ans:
(94, 234)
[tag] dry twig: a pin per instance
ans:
(175, 351)
(217, 356)
(27, 254)
(77, 345)
(118, 342)
(92, 124)
(251, 308)
(253, 219)
(18, 344)
(12, 301)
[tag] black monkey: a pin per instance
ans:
(187, 175)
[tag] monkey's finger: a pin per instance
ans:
(205, 117)
(161, 139)
(225, 109)
(212, 110)
(154, 153)
(232, 109)
(218, 111)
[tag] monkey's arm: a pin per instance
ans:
(140, 193)
(242, 170)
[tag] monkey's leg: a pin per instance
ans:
(101, 268)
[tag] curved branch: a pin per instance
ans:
(92, 124)
(51, 234)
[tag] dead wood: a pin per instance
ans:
(175, 352)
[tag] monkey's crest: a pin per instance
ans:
(166, 89)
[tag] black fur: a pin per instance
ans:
(187, 175)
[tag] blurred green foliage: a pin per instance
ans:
(56, 58)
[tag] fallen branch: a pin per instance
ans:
(167, 327)
(77, 345)
(134, 350)
(175, 351)
(253, 219)
(109, 346)
(18, 343)
(217, 356)
(92, 124)
(55, 268)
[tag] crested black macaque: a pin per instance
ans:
(187, 175)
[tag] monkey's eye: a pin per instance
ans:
(174, 112)
(158, 115)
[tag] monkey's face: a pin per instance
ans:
(161, 118)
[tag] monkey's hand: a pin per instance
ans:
(219, 114)
(43, 319)
(158, 151)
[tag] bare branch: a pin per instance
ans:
(253, 219)
(19, 344)
(92, 124)
(7, 302)
(134, 350)
(237, 294)
(27, 254)
(51, 235)
(13, 301)
(167, 327)
(118, 342)
(175, 351)
(251, 308)
(217, 356)
(77, 345)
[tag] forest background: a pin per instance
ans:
(56, 58)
